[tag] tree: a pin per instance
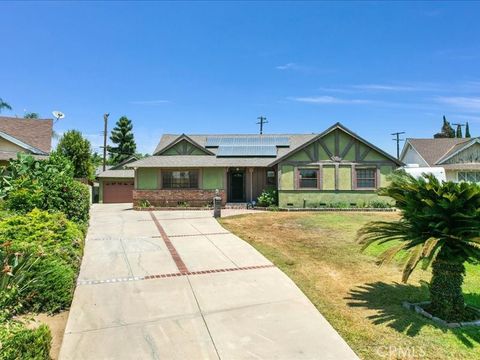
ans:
(122, 137)
(97, 159)
(4, 105)
(440, 226)
(78, 150)
(458, 133)
(446, 131)
(467, 131)
(31, 115)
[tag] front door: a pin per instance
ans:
(237, 186)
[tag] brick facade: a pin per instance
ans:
(180, 197)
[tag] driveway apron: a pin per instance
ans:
(177, 285)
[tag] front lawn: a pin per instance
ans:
(361, 300)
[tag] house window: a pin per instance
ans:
(270, 177)
(469, 176)
(181, 179)
(307, 178)
(366, 178)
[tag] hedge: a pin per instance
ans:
(19, 342)
(57, 245)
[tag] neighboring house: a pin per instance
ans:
(307, 170)
(459, 157)
(30, 136)
(115, 184)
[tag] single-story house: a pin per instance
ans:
(30, 136)
(115, 184)
(460, 157)
(336, 165)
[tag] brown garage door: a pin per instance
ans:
(118, 191)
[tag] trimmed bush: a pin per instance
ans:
(19, 342)
(57, 244)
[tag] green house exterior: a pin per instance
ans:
(308, 170)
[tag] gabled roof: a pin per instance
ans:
(458, 149)
(432, 150)
(122, 164)
(161, 148)
(295, 140)
(118, 171)
(34, 135)
(339, 126)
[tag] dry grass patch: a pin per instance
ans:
(361, 300)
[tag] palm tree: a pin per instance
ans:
(4, 105)
(439, 226)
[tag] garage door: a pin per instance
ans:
(118, 191)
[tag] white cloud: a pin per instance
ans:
(150, 102)
(288, 66)
(384, 87)
(465, 103)
(329, 100)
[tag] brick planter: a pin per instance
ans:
(176, 198)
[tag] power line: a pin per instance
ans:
(397, 139)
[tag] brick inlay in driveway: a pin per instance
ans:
(173, 252)
(161, 276)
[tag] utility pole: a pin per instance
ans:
(459, 126)
(105, 120)
(262, 120)
(397, 139)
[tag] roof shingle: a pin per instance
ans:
(34, 132)
(433, 150)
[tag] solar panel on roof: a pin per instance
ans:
(247, 150)
(251, 140)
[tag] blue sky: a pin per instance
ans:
(213, 67)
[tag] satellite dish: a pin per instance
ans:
(58, 115)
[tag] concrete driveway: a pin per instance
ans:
(176, 285)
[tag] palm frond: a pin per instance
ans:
(411, 264)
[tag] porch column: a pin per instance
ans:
(250, 184)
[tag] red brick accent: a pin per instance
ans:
(177, 197)
(201, 272)
(173, 252)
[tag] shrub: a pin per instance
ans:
(57, 245)
(48, 184)
(19, 342)
(71, 198)
(338, 205)
(268, 198)
(379, 204)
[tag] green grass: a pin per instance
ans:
(360, 299)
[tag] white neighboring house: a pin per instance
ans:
(460, 158)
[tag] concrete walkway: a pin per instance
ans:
(176, 285)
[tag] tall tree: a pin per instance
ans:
(458, 133)
(467, 131)
(78, 150)
(4, 105)
(122, 137)
(446, 131)
(31, 115)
